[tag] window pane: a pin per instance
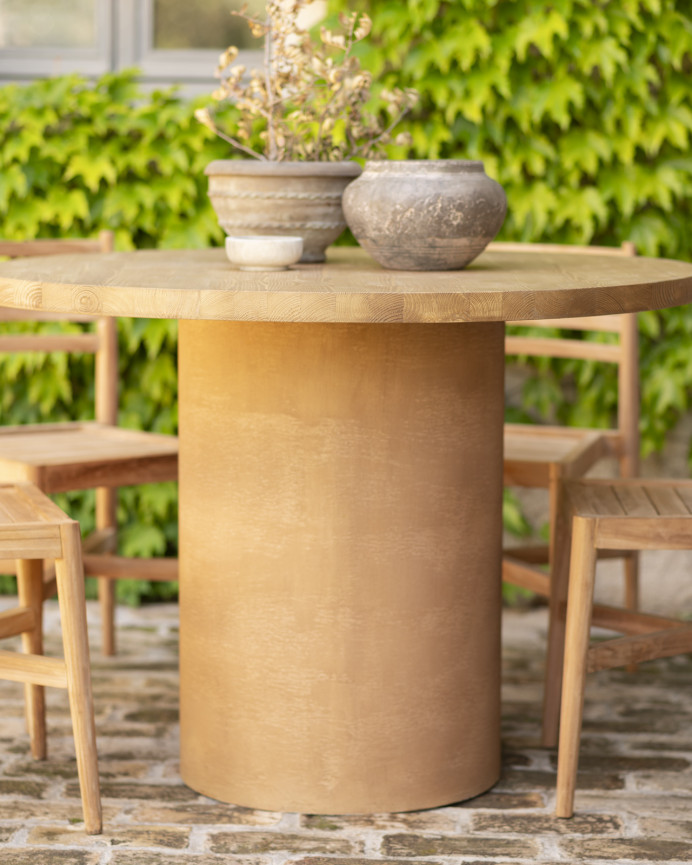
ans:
(179, 24)
(47, 23)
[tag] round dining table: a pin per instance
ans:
(341, 505)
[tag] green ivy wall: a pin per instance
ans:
(582, 110)
(77, 157)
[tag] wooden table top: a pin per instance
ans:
(350, 287)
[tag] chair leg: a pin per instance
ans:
(559, 578)
(106, 517)
(106, 589)
(70, 578)
(579, 606)
(631, 563)
(30, 592)
(632, 581)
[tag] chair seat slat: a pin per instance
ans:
(596, 323)
(8, 314)
(87, 343)
(685, 493)
(667, 501)
(576, 349)
(595, 499)
(635, 501)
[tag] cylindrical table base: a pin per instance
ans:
(340, 510)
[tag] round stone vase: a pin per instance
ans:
(303, 199)
(424, 214)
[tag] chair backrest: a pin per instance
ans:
(625, 354)
(102, 342)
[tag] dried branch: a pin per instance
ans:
(209, 123)
(311, 95)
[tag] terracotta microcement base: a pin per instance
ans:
(340, 496)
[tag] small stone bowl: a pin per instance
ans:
(264, 252)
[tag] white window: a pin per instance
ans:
(176, 40)
(53, 37)
(171, 41)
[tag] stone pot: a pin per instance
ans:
(434, 214)
(254, 197)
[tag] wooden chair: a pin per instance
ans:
(547, 455)
(621, 514)
(33, 528)
(87, 455)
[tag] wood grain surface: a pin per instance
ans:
(340, 510)
(201, 284)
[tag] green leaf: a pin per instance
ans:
(605, 56)
(12, 182)
(20, 142)
(540, 31)
(121, 206)
(513, 517)
(91, 170)
(70, 206)
(142, 540)
(585, 209)
(585, 149)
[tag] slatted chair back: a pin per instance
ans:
(625, 353)
(82, 455)
(101, 340)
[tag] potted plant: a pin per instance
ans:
(307, 107)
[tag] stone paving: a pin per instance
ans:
(635, 785)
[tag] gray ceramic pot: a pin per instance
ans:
(252, 197)
(424, 214)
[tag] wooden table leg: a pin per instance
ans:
(340, 509)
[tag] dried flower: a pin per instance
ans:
(310, 96)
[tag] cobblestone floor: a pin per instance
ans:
(635, 785)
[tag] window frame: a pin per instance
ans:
(124, 39)
(45, 61)
(189, 66)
